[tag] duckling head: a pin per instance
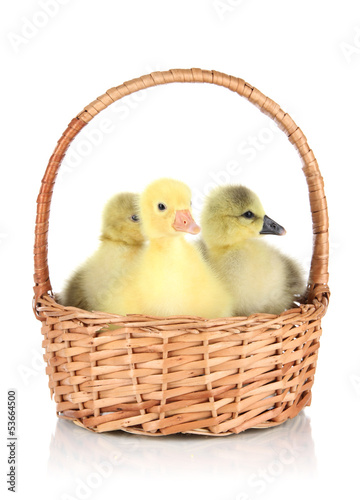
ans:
(121, 221)
(165, 209)
(233, 214)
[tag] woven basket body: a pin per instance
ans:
(182, 374)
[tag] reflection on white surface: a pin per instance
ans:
(250, 465)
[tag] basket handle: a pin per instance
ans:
(318, 280)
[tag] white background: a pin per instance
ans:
(57, 56)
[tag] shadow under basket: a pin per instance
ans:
(158, 376)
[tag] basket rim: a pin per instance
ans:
(305, 311)
(318, 289)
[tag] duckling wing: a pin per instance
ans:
(295, 278)
(269, 281)
(202, 249)
(259, 278)
(74, 291)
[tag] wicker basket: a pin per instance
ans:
(159, 376)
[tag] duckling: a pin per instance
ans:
(171, 277)
(121, 241)
(259, 276)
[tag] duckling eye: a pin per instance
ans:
(161, 206)
(248, 215)
(134, 218)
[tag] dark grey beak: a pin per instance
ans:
(272, 227)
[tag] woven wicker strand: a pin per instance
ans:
(159, 376)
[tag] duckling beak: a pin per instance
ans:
(184, 222)
(272, 227)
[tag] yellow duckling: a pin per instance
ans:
(121, 242)
(260, 277)
(171, 277)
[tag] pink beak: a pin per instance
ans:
(184, 222)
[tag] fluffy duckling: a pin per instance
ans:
(121, 241)
(171, 277)
(260, 277)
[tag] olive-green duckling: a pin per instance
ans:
(261, 279)
(121, 241)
